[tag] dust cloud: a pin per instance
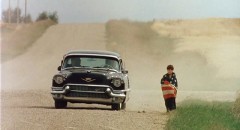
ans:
(205, 54)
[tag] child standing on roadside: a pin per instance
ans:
(169, 88)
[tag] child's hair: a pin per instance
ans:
(170, 67)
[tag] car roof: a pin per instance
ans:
(93, 53)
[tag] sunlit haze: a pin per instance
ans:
(72, 11)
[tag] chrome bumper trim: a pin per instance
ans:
(57, 88)
(86, 91)
(64, 91)
(89, 85)
(88, 99)
(121, 91)
(115, 93)
(95, 100)
(110, 93)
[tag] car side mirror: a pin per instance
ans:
(59, 68)
(124, 71)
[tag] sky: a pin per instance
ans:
(94, 11)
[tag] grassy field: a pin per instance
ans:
(15, 39)
(236, 107)
(201, 115)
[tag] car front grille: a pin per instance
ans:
(87, 91)
(87, 88)
(90, 95)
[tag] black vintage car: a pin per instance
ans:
(90, 77)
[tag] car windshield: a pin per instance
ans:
(91, 62)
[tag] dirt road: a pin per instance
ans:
(26, 81)
(33, 109)
(26, 102)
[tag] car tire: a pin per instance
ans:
(116, 106)
(60, 104)
(124, 105)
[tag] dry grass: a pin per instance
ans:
(16, 39)
(236, 107)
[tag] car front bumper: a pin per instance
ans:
(113, 96)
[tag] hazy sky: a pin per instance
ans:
(70, 11)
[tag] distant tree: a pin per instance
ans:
(15, 15)
(5, 15)
(53, 16)
(44, 16)
(27, 19)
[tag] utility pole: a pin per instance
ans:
(18, 11)
(25, 11)
(9, 12)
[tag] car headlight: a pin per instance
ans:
(59, 79)
(117, 82)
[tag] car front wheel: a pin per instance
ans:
(60, 104)
(124, 105)
(116, 106)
